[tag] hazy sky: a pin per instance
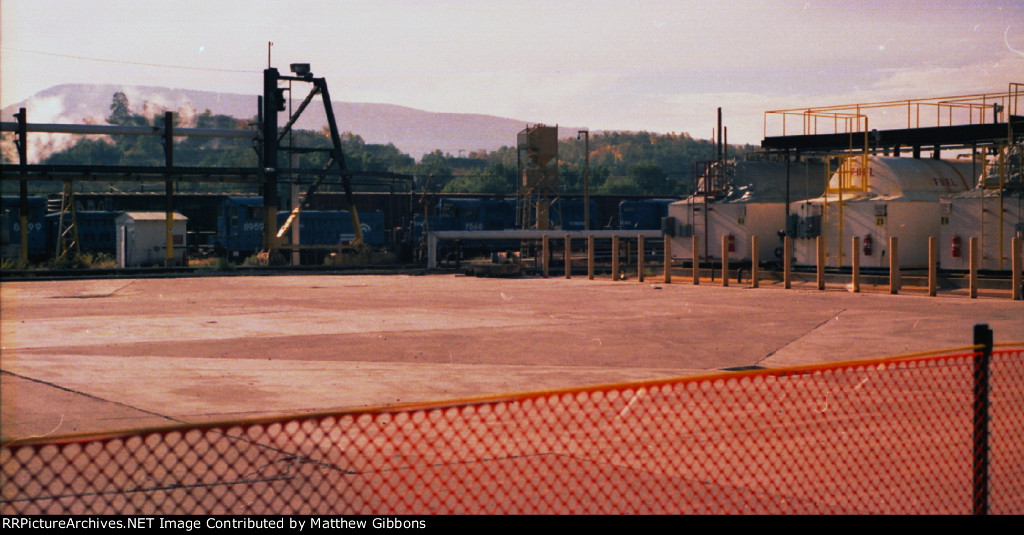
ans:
(660, 66)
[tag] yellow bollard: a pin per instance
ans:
(545, 253)
(933, 266)
(590, 257)
(696, 260)
(1017, 264)
(974, 267)
(755, 281)
(855, 261)
(668, 260)
(640, 258)
(787, 262)
(894, 266)
(615, 258)
(725, 260)
(568, 257)
(819, 243)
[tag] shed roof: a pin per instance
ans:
(152, 216)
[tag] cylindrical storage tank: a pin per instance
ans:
(899, 198)
(755, 205)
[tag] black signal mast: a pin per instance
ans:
(275, 102)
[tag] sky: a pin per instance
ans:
(658, 66)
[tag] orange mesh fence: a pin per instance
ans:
(878, 437)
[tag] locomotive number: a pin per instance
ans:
(32, 227)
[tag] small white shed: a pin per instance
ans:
(142, 239)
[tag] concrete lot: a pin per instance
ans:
(99, 355)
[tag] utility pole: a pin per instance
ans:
(586, 177)
(272, 104)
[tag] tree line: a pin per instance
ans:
(619, 163)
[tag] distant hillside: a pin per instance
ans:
(415, 132)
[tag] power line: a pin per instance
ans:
(163, 66)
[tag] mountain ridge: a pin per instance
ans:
(413, 131)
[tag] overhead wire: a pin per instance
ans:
(123, 62)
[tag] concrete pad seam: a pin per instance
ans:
(793, 341)
(66, 389)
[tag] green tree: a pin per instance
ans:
(648, 177)
(119, 109)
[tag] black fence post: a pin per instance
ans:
(983, 338)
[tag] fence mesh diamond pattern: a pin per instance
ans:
(891, 436)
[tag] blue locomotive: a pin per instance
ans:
(10, 228)
(240, 227)
(232, 225)
(97, 231)
(644, 214)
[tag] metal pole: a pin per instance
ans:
(586, 178)
(755, 281)
(296, 238)
(22, 141)
(718, 152)
(270, 165)
(338, 156)
(787, 192)
(169, 185)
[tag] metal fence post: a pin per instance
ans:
(983, 338)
